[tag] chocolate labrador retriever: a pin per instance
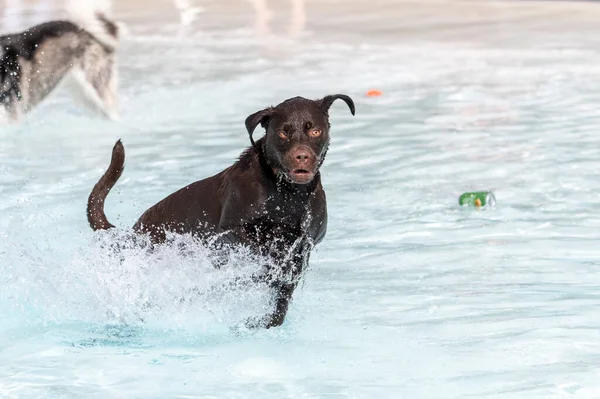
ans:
(270, 200)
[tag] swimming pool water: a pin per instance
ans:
(408, 296)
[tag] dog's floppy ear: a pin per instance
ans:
(253, 120)
(328, 100)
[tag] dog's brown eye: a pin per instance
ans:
(282, 134)
(315, 133)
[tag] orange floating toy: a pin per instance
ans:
(374, 93)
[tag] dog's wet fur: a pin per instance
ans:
(271, 200)
(34, 62)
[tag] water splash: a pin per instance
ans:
(173, 286)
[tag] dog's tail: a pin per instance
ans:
(95, 205)
(93, 16)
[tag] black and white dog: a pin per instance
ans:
(79, 53)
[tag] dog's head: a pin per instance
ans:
(297, 135)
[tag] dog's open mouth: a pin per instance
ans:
(300, 176)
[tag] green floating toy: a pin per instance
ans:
(477, 199)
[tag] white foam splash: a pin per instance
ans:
(175, 286)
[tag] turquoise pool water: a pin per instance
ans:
(408, 296)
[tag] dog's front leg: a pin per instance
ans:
(283, 288)
(283, 295)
